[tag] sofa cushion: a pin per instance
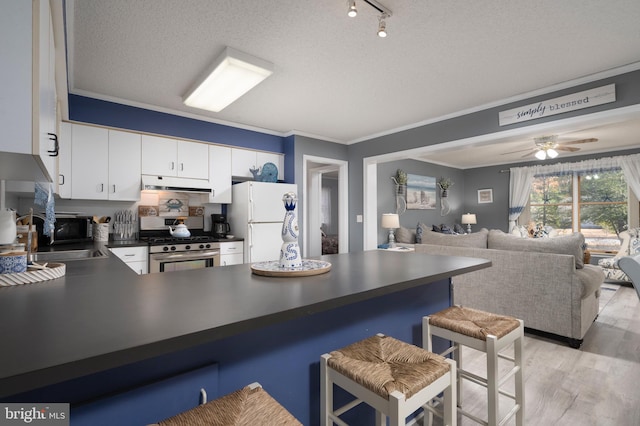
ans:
(405, 235)
(476, 239)
(571, 244)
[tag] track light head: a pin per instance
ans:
(382, 26)
(353, 11)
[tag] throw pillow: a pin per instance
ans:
(436, 228)
(571, 244)
(476, 239)
(420, 230)
(405, 235)
(458, 229)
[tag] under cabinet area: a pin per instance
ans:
(170, 157)
(136, 258)
(231, 253)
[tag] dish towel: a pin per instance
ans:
(44, 198)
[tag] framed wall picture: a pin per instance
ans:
(421, 192)
(485, 196)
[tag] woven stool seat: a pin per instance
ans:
(383, 364)
(249, 406)
(474, 323)
(489, 333)
(395, 378)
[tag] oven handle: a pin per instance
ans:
(189, 255)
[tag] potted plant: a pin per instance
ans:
(444, 184)
(400, 180)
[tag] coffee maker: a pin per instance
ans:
(219, 226)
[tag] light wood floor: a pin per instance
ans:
(598, 384)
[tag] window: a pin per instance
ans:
(594, 204)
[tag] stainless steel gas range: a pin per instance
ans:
(169, 253)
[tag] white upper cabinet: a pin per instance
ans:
(220, 174)
(169, 157)
(124, 165)
(193, 160)
(89, 162)
(28, 101)
(105, 164)
(242, 160)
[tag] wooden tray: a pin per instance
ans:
(273, 269)
(33, 275)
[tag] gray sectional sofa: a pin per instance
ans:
(542, 281)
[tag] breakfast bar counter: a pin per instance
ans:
(101, 328)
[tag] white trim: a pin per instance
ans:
(331, 164)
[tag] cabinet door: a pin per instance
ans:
(241, 161)
(124, 165)
(48, 146)
(220, 174)
(90, 162)
(231, 259)
(271, 157)
(63, 185)
(193, 160)
(159, 156)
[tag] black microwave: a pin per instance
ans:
(66, 230)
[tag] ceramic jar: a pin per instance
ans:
(7, 226)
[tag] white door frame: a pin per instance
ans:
(312, 184)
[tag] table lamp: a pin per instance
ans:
(391, 221)
(469, 219)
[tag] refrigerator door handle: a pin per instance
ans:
(251, 203)
(250, 241)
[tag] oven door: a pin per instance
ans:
(181, 261)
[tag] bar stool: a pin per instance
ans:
(393, 377)
(491, 334)
(249, 406)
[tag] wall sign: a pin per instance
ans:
(575, 101)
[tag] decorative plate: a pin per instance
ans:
(273, 269)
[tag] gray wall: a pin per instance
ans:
(410, 218)
(474, 124)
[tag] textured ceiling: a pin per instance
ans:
(334, 78)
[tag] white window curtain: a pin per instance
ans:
(521, 178)
(520, 182)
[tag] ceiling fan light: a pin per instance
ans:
(541, 155)
(552, 153)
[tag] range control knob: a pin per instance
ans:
(208, 246)
(187, 247)
(165, 248)
(173, 248)
(201, 246)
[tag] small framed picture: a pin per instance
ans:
(485, 196)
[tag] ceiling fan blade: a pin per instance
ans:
(515, 152)
(530, 153)
(589, 140)
(566, 148)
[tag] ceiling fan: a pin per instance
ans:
(548, 147)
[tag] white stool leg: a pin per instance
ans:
(450, 404)
(518, 351)
(492, 380)
(326, 393)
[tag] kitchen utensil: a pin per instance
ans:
(180, 231)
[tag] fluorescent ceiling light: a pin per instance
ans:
(230, 76)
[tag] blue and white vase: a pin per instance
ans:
(290, 250)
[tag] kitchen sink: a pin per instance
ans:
(65, 255)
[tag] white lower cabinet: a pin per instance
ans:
(136, 258)
(231, 253)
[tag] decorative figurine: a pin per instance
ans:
(268, 173)
(290, 250)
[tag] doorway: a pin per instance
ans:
(325, 205)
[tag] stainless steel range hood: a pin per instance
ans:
(175, 184)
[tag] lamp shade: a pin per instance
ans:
(469, 219)
(390, 221)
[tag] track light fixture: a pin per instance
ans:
(382, 26)
(353, 11)
(384, 14)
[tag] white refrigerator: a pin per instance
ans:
(256, 214)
